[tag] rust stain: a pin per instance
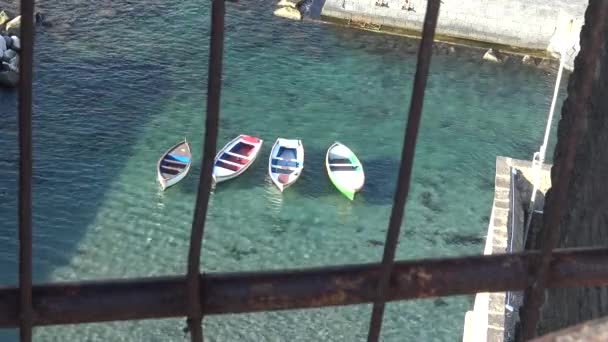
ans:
(332, 298)
(351, 283)
(424, 274)
(262, 289)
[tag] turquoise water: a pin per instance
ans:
(115, 87)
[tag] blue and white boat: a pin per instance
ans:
(286, 162)
(174, 165)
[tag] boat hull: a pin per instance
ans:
(351, 182)
(284, 180)
(177, 158)
(218, 177)
(166, 183)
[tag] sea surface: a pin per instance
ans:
(118, 82)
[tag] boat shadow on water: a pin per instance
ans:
(93, 150)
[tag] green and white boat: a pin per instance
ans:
(344, 170)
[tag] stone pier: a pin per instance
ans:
(494, 315)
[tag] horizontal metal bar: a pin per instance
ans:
(163, 297)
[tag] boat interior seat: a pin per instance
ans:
(179, 158)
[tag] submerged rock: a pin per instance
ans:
(3, 45)
(289, 13)
(9, 79)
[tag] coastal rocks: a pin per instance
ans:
(493, 55)
(8, 42)
(288, 9)
(14, 26)
(529, 60)
(3, 17)
(289, 13)
(15, 43)
(8, 54)
(10, 45)
(12, 65)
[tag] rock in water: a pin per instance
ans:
(16, 45)
(9, 79)
(8, 55)
(289, 13)
(3, 17)
(13, 26)
(39, 18)
(492, 56)
(527, 60)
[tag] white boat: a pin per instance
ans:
(174, 165)
(344, 169)
(236, 157)
(286, 162)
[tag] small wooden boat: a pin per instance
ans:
(236, 157)
(344, 170)
(286, 162)
(174, 165)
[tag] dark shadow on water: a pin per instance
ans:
(84, 128)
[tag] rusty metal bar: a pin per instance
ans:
(214, 86)
(578, 103)
(162, 297)
(405, 170)
(25, 170)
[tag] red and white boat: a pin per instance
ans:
(236, 157)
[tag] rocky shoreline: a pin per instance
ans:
(10, 47)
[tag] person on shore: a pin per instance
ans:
(407, 6)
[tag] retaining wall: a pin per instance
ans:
(525, 24)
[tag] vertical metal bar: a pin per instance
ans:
(25, 170)
(214, 86)
(405, 170)
(579, 102)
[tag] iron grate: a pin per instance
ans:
(195, 295)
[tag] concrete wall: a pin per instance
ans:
(529, 24)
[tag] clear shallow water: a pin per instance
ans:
(118, 86)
